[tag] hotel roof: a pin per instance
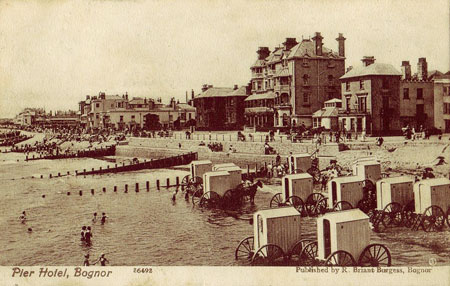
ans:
(242, 91)
(267, 95)
(306, 48)
(215, 92)
(373, 69)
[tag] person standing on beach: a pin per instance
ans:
(94, 219)
(103, 220)
(86, 260)
(88, 235)
(83, 233)
(102, 259)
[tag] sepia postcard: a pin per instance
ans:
(209, 142)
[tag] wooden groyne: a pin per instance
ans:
(98, 152)
(152, 164)
(14, 140)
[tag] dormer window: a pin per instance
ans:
(347, 86)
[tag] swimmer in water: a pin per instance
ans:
(86, 260)
(83, 233)
(103, 220)
(94, 219)
(102, 259)
(23, 217)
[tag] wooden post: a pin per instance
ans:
(68, 173)
(50, 176)
(137, 188)
(84, 171)
(104, 189)
(59, 174)
(147, 184)
(168, 182)
(81, 193)
(126, 188)
(107, 166)
(76, 172)
(248, 169)
(157, 185)
(115, 189)
(68, 193)
(115, 165)
(92, 191)
(42, 176)
(177, 180)
(92, 169)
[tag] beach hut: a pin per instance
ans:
(300, 185)
(235, 174)
(198, 168)
(342, 231)
(367, 170)
(217, 167)
(218, 182)
(394, 190)
(299, 162)
(348, 188)
(432, 192)
(280, 227)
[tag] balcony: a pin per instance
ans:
(353, 111)
(258, 109)
(283, 105)
(257, 75)
(282, 88)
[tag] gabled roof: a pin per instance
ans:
(326, 112)
(283, 72)
(345, 216)
(334, 100)
(373, 69)
(185, 106)
(306, 48)
(275, 56)
(215, 92)
(267, 95)
(433, 73)
(137, 100)
(258, 63)
(242, 91)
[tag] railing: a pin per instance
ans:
(353, 111)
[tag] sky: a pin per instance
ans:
(54, 53)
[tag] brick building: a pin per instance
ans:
(371, 99)
(220, 108)
(442, 102)
(302, 76)
(416, 96)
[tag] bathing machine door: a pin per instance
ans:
(326, 237)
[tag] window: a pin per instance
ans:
(362, 104)
(445, 90)
(305, 79)
(112, 105)
(330, 78)
(446, 108)
(419, 93)
(97, 105)
(406, 93)
(385, 83)
(347, 103)
(170, 117)
(96, 116)
(306, 98)
(121, 118)
(361, 84)
(347, 86)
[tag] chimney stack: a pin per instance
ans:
(263, 52)
(186, 96)
(126, 95)
(406, 70)
(341, 45)
(235, 87)
(367, 61)
(289, 43)
(349, 68)
(192, 93)
(422, 69)
(205, 87)
(318, 43)
(88, 97)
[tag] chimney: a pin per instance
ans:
(341, 45)
(235, 87)
(126, 95)
(192, 93)
(88, 97)
(349, 68)
(289, 43)
(263, 52)
(205, 87)
(186, 96)
(318, 43)
(406, 70)
(422, 69)
(367, 61)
